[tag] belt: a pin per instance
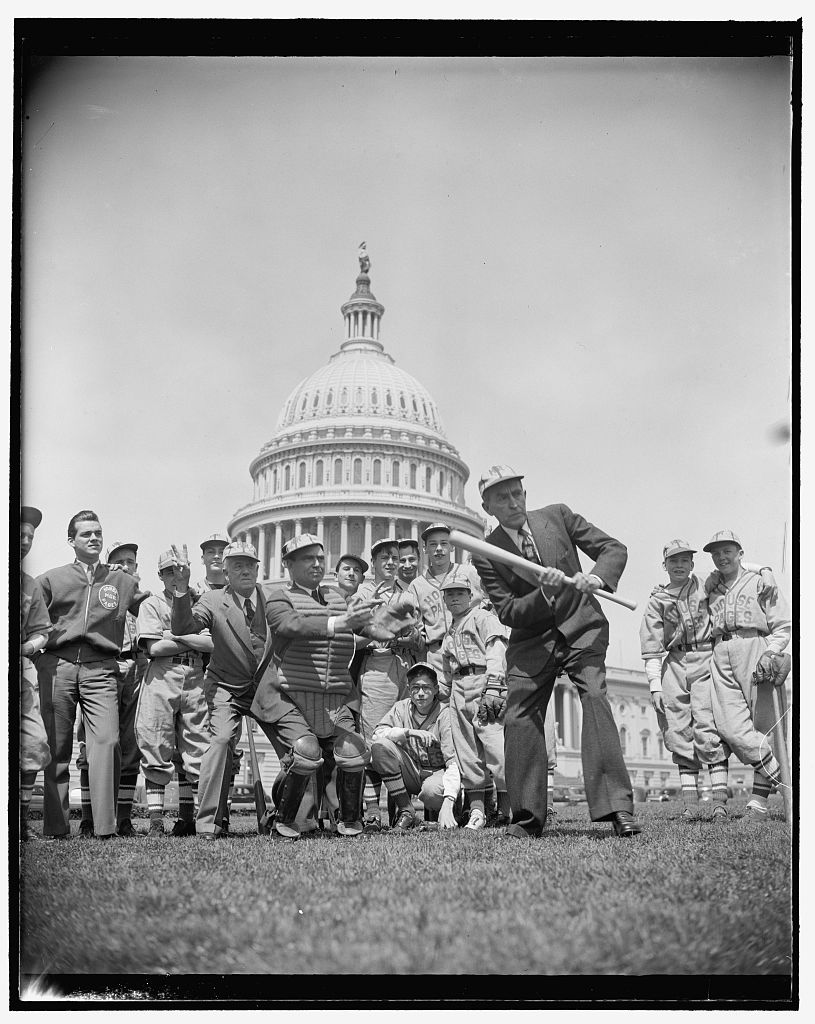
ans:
(186, 659)
(470, 670)
(81, 653)
(703, 645)
(742, 631)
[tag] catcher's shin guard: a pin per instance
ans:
(297, 770)
(349, 794)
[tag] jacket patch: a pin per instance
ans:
(109, 597)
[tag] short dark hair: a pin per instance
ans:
(85, 516)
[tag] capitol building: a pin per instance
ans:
(359, 453)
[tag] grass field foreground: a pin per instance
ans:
(684, 897)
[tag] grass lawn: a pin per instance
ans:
(684, 897)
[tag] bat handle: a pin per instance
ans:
(608, 596)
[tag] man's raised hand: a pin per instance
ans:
(181, 569)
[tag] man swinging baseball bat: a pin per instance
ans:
(555, 628)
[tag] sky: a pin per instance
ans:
(586, 261)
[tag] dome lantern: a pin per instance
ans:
(362, 312)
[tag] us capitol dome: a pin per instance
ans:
(359, 453)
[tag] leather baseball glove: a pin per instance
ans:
(772, 668)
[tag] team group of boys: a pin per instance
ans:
(401, 678)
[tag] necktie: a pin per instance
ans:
(527, 547)
(318, 597)
(249, 612)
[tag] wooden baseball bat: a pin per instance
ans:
(496, 554)
(257, 783)
(780, 705)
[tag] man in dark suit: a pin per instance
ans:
(555, 628)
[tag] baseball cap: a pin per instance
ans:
(496, 475)
(408, 542)
(352, 558)
(166, 559)
(240, 549)
(722, 537)
(301, 540)
(456, 582)
(433, 528)
(29, 514)
(385, 542)
(677, 547)
(423, 668)
(117, 545)
(215, 538)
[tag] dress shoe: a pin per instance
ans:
(110, 835)
(372, 826)
(624, 824)
(126, 830)
(517, 832)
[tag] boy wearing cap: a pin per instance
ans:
(555, 629)
(675, 639)
(313, 642)
(35, 626)
(132, 667)
(474, 657)
(408, 560)
(212, 557)
(87, 603)
(750, 625)
(382, 664)
(413, 751)
(350, 570)
(171, 721)
(427, 591)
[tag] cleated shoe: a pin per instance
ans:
(182, 829)
(156, 827)
(372, 826)
(125, 830)
(405, 820)
(85, 830)
(551, 817)
(719, 813)
(478, 819)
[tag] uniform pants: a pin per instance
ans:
(34, 751)
(383, 682)
(687, 726)
(391, 759)
(743, 712)
(226, 712)
(171, 721)
(608, 786)
(94, 687)
(479, 747)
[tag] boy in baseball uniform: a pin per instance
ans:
(171, 720)
(750, 625)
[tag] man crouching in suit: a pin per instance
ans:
(555, 628)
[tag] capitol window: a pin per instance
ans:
(287, 478)
(274, 481)
(644, 738)
(344, 398)
(413, 476)
(329, 398)
(402, 401)
(623, 739)
(428, 479)
(441, 482)
(377, 471)
(395, 475)
(318, 473)
(357, 471)
(337, 471)
(301, 475)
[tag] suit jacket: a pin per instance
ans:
(233, 661)
(536, 620)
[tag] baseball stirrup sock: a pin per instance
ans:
(688, 781)
(155, 799)
(393, 783)
(769, 767)
(718, 781)
(85, 790)
(27, 780)
(186, 800)
(127, 791)
(761, 788)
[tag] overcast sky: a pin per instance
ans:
(585, 261)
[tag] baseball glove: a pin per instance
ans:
(390, 620)
(493, 703)
(772, 668)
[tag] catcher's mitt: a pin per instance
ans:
(772, 668)
(493, 703)
(389, 620)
